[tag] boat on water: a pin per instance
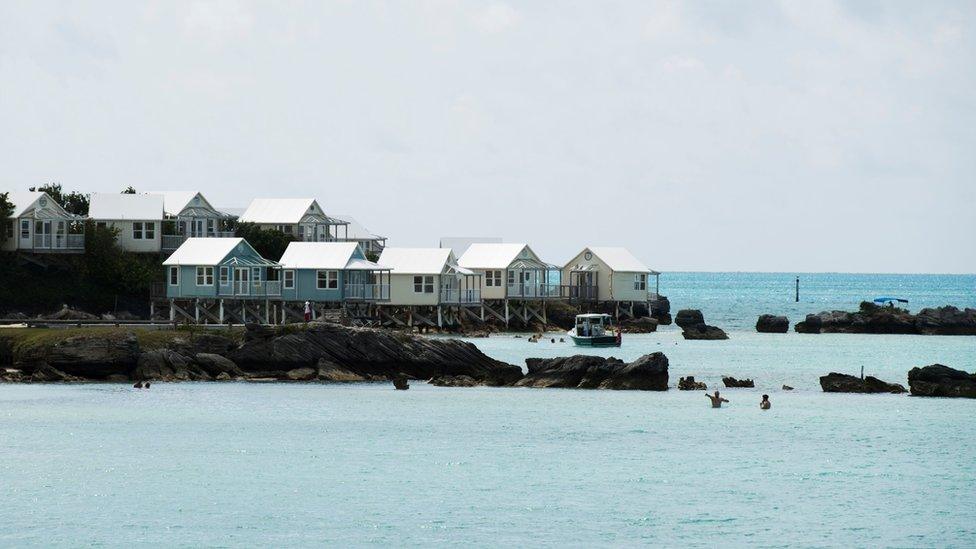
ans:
(595, 330)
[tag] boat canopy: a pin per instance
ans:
(889, 299)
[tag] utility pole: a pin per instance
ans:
(797, 289)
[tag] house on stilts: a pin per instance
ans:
(188, 214)
(331, 276)
(429, 288)
(38, 224)
(219, 281)
(611, 276)
(516, 284)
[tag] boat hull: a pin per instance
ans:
(597, 341)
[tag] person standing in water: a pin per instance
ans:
(765, 404)
(308, 312)
(716, 400)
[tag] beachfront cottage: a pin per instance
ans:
(302, 218)
(515, 282)
(610, 275)
(38, 224)
(137, 217)
(370, 242)
(332, 273)
(427, 286)
(187, 215)
(220, 268)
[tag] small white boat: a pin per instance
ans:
(595, 330)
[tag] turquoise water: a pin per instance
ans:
(240, 464)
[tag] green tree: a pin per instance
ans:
(73, 202)
(6, 210)
(270, 244)
(129, 190)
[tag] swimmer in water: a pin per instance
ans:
(716, 400)
(765, 404)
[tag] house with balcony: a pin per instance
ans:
(370, 242)
(188, 214)
(612, 275)
(427, 286)
(332, 273)
(301, 218)
(38, 224)
(138, 218)
(514, 282)
(222, 268)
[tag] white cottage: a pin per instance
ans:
(39, 224)
(137, 217)
(605, 274)
(429, 277)
(370, 242)
(188, 214)
(302, 218)
(510, 271)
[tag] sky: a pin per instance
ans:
(721, 136)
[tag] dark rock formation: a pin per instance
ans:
(787, 388)
(660, 310)
(703, 331)
(647, 373)
(45, 373)
(67, 313)
(689, 317)
(167, 365)
(301, 374)
(872, 319)
(730, 381)
(642, 325)
(689, 384)
(367, 352)
(215, 365)
(400, 382)
(454, 381)
(94, 356)
(843, 383)
(330, 371)
(941, 381)
(771, 324)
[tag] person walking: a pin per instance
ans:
(308, 312)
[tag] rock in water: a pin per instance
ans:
(689, 384)
(843, 383)
(301, 374)
(400, 383)
(89, 356)
(660, 310)
(946, 320)
(730, 381)
(770, 324)
(47, 373)
(647, 373)
(454, 381)
(703, 331)
(329, 371)
(810, 325)
(688, 317)
(872, 319)
(642, 325)
(941, 381)
(787, 388)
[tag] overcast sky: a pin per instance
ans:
(754, 136)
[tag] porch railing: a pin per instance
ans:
(173, 241)
(581, 293)
(367, 292)
(535, 290)
(454, 295)
(60, 241)
(249, 288)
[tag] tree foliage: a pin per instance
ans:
(6, 210)
(73, 202)
(269, 243)
(129, 190)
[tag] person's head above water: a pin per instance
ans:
(716, 393)
(765, 397)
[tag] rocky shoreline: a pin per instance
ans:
(873, 319)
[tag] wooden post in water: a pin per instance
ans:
(797, 289)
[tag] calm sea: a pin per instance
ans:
(240, 464)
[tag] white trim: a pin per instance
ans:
(169, 275)
(285, 282)
(204, 274)
(331, 276)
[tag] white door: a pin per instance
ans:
(198, 227)
(242, 281)
(42, 234)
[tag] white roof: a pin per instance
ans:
(202, 251)
(355, 230)
(120, 206)
(619, 259)
(490, 255)
(460, 244)
(23, 200)
(419, 260)
(175, 202)
(325, 255)
(277, 210)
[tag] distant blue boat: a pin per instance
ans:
(890, 300)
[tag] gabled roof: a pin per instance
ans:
(325, 255)
(24, 201)
(355, 230)
(203, 251)
(420, 261)
(119, 206)
(495, 255)
(618, 259)
(175, 202)
(279, 210)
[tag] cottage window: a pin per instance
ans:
(24, 228)
(224, 275)
(640, 282)
(210, 227)
(174, 276)
(493, 278)
(289, 279)
(511, 278)
(256, 273)
(137, 230)
(150, 231)
(327, 280)
(204, 276)
(423, 284)
(10, 229)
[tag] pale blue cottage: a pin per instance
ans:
(220, 268)
(332, 272)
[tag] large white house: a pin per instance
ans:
(604, 273)
(39, 224)
(302, 218)
(137, 217)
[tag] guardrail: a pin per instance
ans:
(538, 290)
(367, 292)
(249, 288)
(454, 295)
(58, 242)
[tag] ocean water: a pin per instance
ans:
(242, 464)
